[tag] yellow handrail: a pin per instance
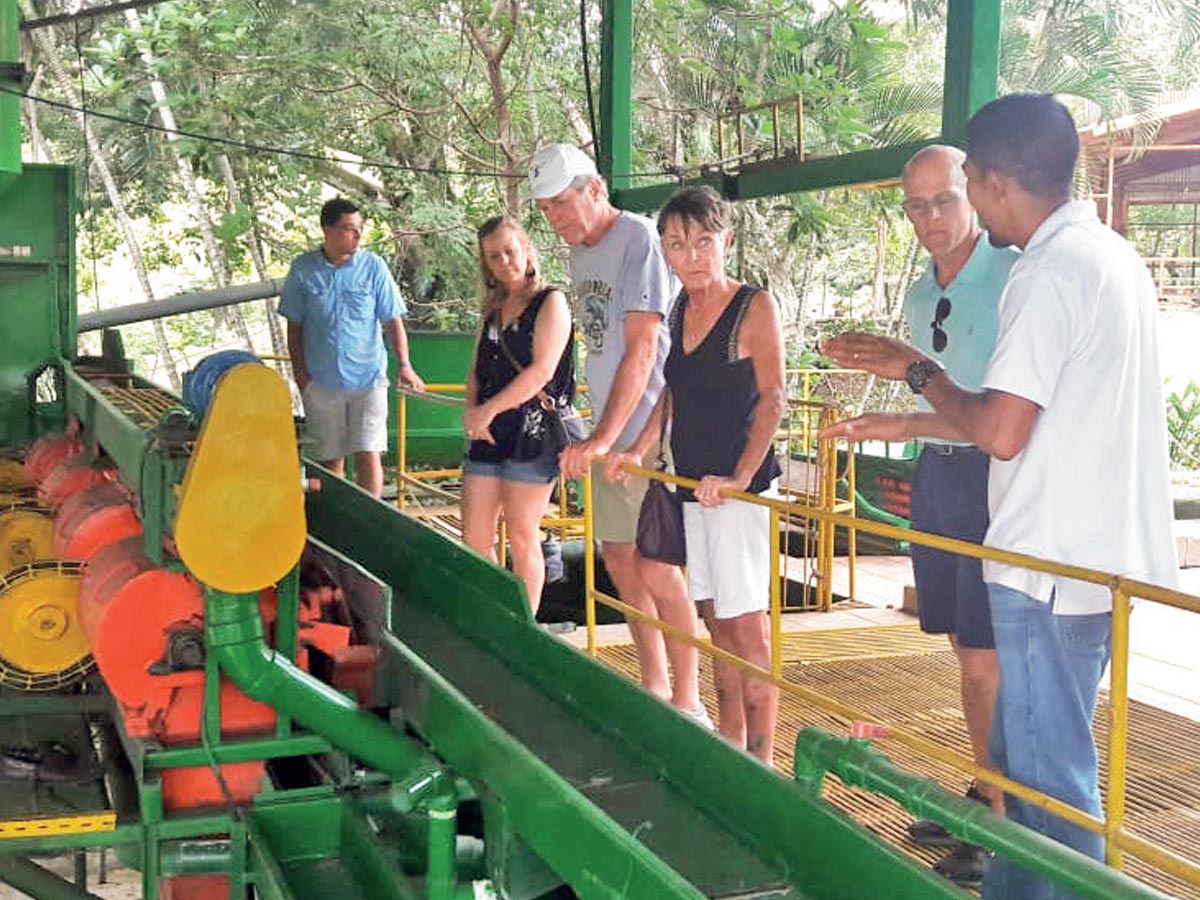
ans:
(1117, 840)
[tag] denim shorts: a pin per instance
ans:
(542, 470)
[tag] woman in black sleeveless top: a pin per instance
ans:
(725, 397)
(523, 354)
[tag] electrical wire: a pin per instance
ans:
(267, 150)
(587, 73)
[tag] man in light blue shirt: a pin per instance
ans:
(340, 302)
(953, 316)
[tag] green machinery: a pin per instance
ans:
(482, 757)
(494, 760)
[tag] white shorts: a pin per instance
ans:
(729, 555)
(345, 422)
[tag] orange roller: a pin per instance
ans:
(71, 475)
(48, 453)
(146, 629)
(92, 519)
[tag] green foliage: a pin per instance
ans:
(1183, 426)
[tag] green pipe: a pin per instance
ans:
(234, 634)
(10, 104)
(443, 839)
(858, 764)
(30, 878)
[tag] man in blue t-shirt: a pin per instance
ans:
(340, 302)
(953, 318)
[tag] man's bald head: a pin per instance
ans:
(935, 199)
(938, 156)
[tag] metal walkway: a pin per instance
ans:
(900, 676)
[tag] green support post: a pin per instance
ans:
(616, 93)
(972, 64)
(10, 80)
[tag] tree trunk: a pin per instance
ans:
(879, 285)
(212, 247)
(493, 52)
(46, 48)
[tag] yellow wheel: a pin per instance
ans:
(12, 475)
(26, 536)
(42, 642)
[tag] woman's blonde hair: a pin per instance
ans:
(493, 292)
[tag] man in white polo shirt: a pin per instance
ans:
(1072, 413)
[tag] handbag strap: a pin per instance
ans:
(544, 399)
(662, 430)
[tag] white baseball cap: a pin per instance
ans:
(554, 167)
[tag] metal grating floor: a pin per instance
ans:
(900, 676)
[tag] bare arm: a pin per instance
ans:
(761, 340)
(636, 452)
(551, 332)
(397, 337)
(295, 345)
(633, 374)
(997, 423)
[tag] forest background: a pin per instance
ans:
(220, 126)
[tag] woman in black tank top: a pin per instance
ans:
(524, 349)
(725, 397)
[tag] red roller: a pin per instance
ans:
(92, 519)
(146, 629)
(49, 452)
(69, 476)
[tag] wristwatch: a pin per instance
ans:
(920, 372)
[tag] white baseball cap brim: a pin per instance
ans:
(554, 167)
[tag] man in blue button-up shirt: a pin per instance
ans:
(340, 302)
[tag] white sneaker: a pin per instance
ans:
(700, 717)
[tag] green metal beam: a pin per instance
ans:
(615, 155)
(10, 104)
(864, 167)
(30, 878)
(972, 63)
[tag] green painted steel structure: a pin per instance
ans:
(578, 777)
(971, 75)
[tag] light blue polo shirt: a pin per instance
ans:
(974, 319)
(340, 309)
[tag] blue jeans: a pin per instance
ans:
(1050, 668)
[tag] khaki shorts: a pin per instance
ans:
(344, 422)
(615, 507)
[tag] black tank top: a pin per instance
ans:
(713, 398)
(494, 371)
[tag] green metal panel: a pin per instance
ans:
(37, 285)
(435, 435)
(10, 104)
(616, 92)
(972, 63)
(558, 738)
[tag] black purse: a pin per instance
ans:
(546, 428)
(660, 534)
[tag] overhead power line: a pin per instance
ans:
(89, 13)
(267, 150)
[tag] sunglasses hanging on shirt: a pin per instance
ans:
(940, 315)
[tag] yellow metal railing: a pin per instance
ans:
(1118, 841)
(562, 522)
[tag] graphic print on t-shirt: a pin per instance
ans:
(592, 300)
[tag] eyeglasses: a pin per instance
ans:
(940, 315)
(919, 209)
